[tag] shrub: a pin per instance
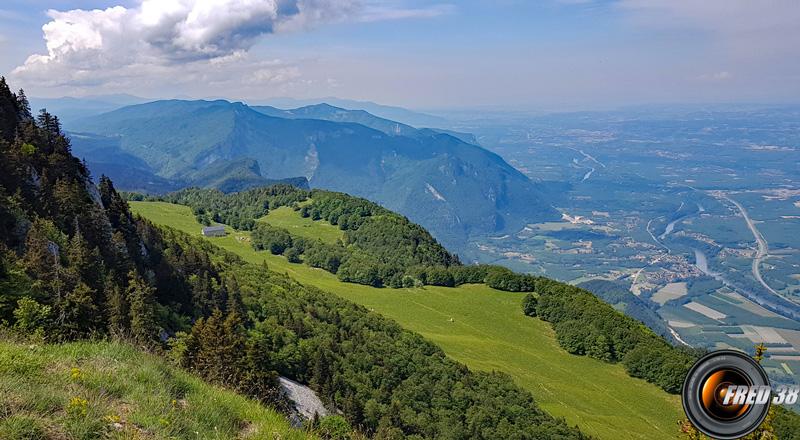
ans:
(31, 317)
(334, 428)
(529, 305)
(292, 255)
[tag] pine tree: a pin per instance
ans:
(8, 112)
(120, 217)
(50, 128)
(235, 303)
(119, 252)
(144, 327)
(78, 312)
(322, 370)
(42, 260)
(85, 262)
(258, 378)
(234, 344)
(117, 308)
(67, 203)
(210, 341)
(23, 107)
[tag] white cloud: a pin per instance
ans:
(716, 76)
(184, 40)
(380, 13)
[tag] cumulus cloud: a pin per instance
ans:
(160, 33)
(183, 40)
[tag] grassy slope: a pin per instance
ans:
(287, 218)
(488, 332)
(81, 390)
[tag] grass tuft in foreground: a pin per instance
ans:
(89, 390)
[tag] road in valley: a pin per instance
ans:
(763, 246)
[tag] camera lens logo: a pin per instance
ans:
(726, 395)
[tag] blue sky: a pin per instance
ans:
(547, 54)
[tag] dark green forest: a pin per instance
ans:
(75, 264)
(585, 325)
(617, 293)
(380, 248)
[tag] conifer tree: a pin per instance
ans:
(209, 343)
(42, 259)
(23, 107)
(144, 328)
(234, 344)
(235, 303)
(85, 263)
(8, 112)
(78, 312)
(50, 129)
(117, 308)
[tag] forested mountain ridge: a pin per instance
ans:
(328, 112)
(399, 114)
(74, 263)
(451, 187)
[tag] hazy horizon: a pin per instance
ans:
(550, 55)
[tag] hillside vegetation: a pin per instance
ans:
(378, 247)
(112, 390)
(76, 264)
(485, 329)
(381, 248)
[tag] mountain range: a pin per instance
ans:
(399, 114)
(454, 188)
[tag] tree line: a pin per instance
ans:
(380, 248)
(239, 210)
(585, 325)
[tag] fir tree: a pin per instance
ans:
(23, 107)
(117, 309)
(78, 312)
(141, 297)
(235, 303)
(84, 262)
(8, 112)
(42, 260)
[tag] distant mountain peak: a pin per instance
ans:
(231, 145)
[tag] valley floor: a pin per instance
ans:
(486, 330)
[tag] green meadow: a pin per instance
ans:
(111, 390)
(481, 327)
(287, 218)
